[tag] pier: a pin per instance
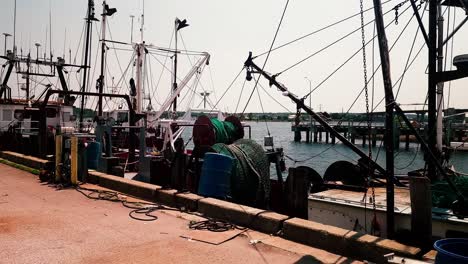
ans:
(352, 130)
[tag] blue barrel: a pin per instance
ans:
(215, 178)
(452, 250)
(93, 153)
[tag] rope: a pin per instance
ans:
(213, 225)
(138, 208)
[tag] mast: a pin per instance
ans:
(178, 25)
(89, 18)
(106, 11)
(14, 31)
(389, 106)
(174, 78)
(440, 85)
(139, 48)
(103, 58)
(432, 87)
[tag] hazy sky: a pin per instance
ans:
(228, 30)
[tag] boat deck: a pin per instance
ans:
(356, 211)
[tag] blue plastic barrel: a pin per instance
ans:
(452, 250)
(215, 178)
(93, 153)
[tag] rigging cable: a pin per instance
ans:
(354, 54)
(261, 105)
(164, 66)
(357, 97)
(330, 45)
(266, 59)
(228, 88)
(318, 30)
(240, 95)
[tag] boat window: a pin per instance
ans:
(19, 114)
(7, 115)
(66, 116)
(122, 117)
(51, 112)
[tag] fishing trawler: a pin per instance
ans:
(360, 203)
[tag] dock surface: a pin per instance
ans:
(40, 224)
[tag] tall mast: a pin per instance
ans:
(440, 85)
(103, 58)
(14, 31)
(389, 106)
(139, 47)
(174, 78)
(432, 87)
(178, 25)
(106, 11)
(90, 17)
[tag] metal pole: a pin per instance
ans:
(14, 30)
(6, 39)
(131, 32)
(27, 78)
(174, 84)
(85, 70)
(103, 52)
(440, 85)
(432, 86)
(389, 106)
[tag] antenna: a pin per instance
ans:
(142, 21)
(50, 29)
(14, 31)
(131, 31)
(64, 43)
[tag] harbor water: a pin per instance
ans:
(320, 156)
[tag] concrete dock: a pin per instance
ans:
(40, 224)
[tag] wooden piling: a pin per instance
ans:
(421, 208)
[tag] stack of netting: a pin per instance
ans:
(250, 178)
(443, 196)
(225, 131)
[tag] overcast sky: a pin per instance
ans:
(228, 30)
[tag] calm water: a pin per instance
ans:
(405, 160)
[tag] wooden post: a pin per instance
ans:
(327, 136)
(320, 135)
(307, 136)
(421, 208)
(374, 137)
(389, 107)
(74, 160)
(58, 157)
(407, 134)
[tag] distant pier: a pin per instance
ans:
(352, 130)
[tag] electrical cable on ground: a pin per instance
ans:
(142, 211)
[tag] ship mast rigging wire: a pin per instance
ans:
(316, 31)
(332, 44)
(266, 60)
